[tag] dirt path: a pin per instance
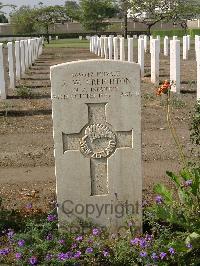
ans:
(26, 141)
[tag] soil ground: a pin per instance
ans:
(26, 138)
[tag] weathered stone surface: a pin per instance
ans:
(97, 135)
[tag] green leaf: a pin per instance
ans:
(174, 178)
(163, 191)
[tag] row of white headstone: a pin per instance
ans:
(114, 48)
(21, 55)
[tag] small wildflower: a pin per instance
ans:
(18, 256)
(51, 217)
(143, 243)
(171, 251)
(164, 88)
(74, 245)
(79, 238)
(4, 251)
(77, 254)
(89, 250)
(29, 206)
(143, 254)
(49, 256)
(10, 233)
(188, 183)
(49, 237)
(21, 243)
(61, 241)
(33, 261)
(189, 245)
(159, 199)
(135, 241)
(95, 232)
(105, 253)
(163, 255)
(154, 256)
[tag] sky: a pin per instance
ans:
(18, 3)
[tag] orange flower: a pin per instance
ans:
(163, 88)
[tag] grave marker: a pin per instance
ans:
(130, 49)
(141, 55)
(11, 65)
(17, 58)
(122, 51)
(3, 92)
(175, 65)
(97, 135)
(155, 56)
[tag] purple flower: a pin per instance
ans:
(135, 241)
(143, 254)
(171, 251)
(49, 256)
(89, 250)
(189, 245)
(105, 253)
(130, 224)
(49, 237)
(143, 243)
(65, 256)
(148, 237)
(79, 238)
(33, 261)
(29, 206)
(154, 256)
(77, 255)
(159, 199)
(4, 251)
(188, 183)
(21, 243)
(61, 241)
(163, 255)
(18, 256)
(10, 233)
(74, 245)
(51, 217)
(95, 232)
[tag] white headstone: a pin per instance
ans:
(11, 65)
(155, 56)
(116, 48)
(102, 46)
(17, 60)
(106, 47)
(175, 65)
(26, 54)
(122, 51)
(98, 46)
(130, 49)
(22, 53)
(166, 46)
(97, 136)
(30, 52)
(110, 47)
(188, 38)
(3, 92)
(185, 47)
(198, 71)
(145, 43)
(141, 55)
(56, 37)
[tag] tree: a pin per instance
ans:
(94, 13)
(3, 18)
(150, 12)
(72, 10)
(124, 6)
(24, 19)
(45, 16)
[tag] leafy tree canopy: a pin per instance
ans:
(3, 18)
(95, 12)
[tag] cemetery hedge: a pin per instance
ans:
(175, 32)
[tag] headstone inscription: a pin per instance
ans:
(97, 135)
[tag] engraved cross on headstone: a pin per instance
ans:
(98, 141)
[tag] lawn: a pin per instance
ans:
(68, 43)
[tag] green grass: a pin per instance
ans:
(68, 43)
